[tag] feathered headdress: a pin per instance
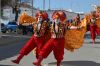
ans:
(42, 14)
(59, 15)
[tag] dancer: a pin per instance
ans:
(39, 38)
(95, 16)
(56, 43)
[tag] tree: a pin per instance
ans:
(10, 3)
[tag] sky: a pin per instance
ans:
(74, 5)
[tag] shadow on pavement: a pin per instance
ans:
(76, 63)
(91, 42)
(95, 42)
(6, 65)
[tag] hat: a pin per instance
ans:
(59, 15)
(42, 14)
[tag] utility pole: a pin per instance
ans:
(43, 4)
(49, 4)
(0, 19)
(32, 8)
(71, 5)
(20, 1)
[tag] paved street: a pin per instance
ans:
(85, 56)
(20, 19)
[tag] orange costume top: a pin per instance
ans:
(25, 19)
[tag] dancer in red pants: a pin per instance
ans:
(93, 26)
(38, 39)
(56, 43)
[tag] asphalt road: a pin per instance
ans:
(87, 55)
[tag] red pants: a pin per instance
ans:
(57, 45)
(31, 44)
(93, 31)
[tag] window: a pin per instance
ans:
(12, 23)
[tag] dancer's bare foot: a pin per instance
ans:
(36, 63)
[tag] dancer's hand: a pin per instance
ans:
(73, 27)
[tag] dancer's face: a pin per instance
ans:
(57, 21)
(39, 19)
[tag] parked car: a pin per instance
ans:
(30, 29)
(24, 29)
(3, 28)
(11, 26)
